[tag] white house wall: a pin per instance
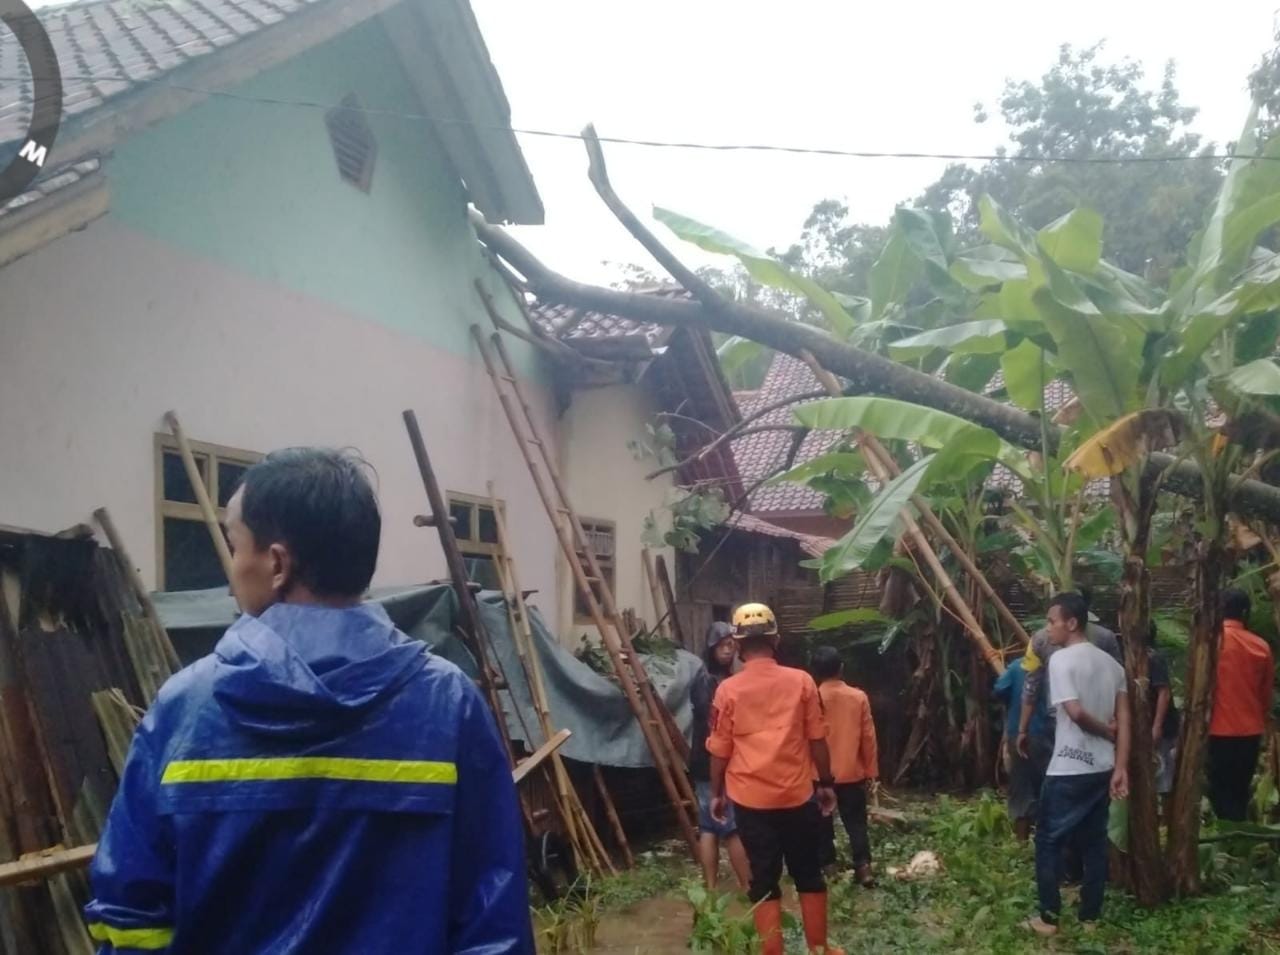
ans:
(105, 330)
(607, 482)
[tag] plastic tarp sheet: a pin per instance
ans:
(579, 698)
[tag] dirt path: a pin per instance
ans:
(654, 927)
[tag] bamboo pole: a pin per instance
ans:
(103, 517)
(651, 579)
(471, 626)
(201, 492)
(572, 813)
(649, 725)
(597, 844)
(871, 444)
(606, 597)
(612, 812)
(42, 865)
(883, 474)
(572, 541)
(673, 742)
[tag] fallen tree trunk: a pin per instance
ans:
(866, 372)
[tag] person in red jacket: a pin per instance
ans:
(851, 740)
(767, 745)
(1241, 704)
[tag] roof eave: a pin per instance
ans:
(441, 48)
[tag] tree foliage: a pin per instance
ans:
(1083, 108)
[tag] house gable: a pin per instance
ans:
(256, 188)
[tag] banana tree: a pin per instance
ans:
(1148, 375)
(911, 288)
(1146, 368)
(1222, 332)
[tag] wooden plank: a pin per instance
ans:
(41, 865)
(669, 596)
(207, 510)
(161, 636)
(37, 817)
(62, 674)
(663, 625)
(540, 755)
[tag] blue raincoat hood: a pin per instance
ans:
(302, 670)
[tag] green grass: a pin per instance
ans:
(985, 891)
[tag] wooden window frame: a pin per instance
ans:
(608, 565)
(474, 546)
(213, 454)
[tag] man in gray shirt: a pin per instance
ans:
(1089, 768)
(1036, 666)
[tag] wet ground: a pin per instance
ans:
(654, 927)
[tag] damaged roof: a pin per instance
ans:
(677, 365)
(584, 327)
(812, 544)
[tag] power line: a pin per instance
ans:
(665, 144)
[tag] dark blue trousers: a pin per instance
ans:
(1073, 812)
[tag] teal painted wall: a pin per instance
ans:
(255, 187)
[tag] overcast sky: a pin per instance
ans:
(900, 76)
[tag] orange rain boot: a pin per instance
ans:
(768, 916)
(813, 910)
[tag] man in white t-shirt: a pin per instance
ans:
(1089, 765)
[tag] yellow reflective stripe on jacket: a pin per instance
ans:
(145, 939)
(309, 767)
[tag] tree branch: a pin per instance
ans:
(734, 432)
(740, 429)
(598, 173)
(867, 373)
(555, 348)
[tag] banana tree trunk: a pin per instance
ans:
(1147, 871)
(1202, 669)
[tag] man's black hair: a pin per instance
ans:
(826, 663)
(1073, 607)
(756, 641)
(1236, 604)
(319, 503)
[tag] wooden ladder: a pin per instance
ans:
(655, 720)
(577, 823)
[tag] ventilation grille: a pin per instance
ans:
(354, 147)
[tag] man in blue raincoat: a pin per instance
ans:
(320, 783)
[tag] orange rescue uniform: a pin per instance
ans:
(763, 719)
(1246, 672)
(851, 733)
